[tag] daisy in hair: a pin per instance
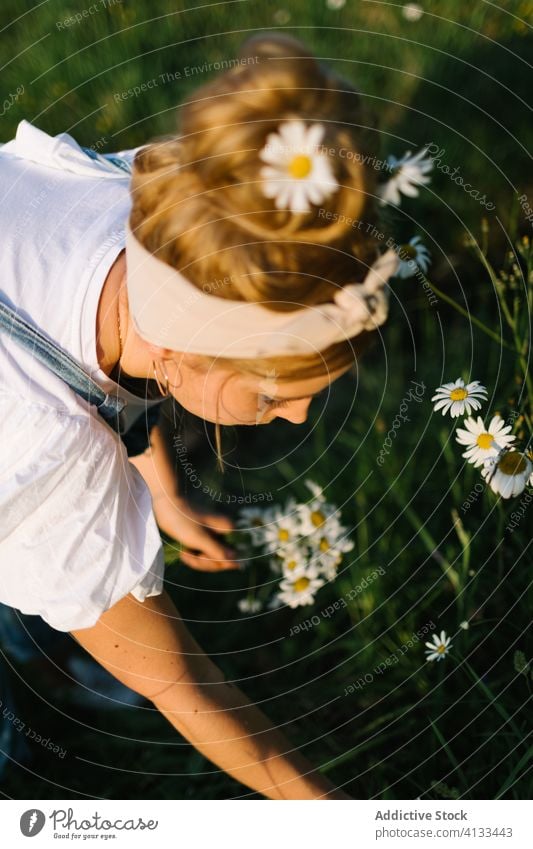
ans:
(296, 174)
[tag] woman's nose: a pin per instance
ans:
(296, 411)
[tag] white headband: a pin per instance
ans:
(168, 310)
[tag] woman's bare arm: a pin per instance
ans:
(147, 647)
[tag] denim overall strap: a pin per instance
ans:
(109, 159)
(63, 364)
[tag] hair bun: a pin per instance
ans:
(273, 45)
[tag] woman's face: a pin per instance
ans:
(242, 399)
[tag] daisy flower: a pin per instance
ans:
(315, 514)
(508, 473)
(412, 255)
(283, 529)
(456, 397)
(407, 173)
(335, 4)
(253, 520)
(439, 648)
(249, 605)
(296, 174)
(328, 546)
(315, 489)
(483, 442)
(293, 563)
(301, 590)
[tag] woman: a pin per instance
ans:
(255, 206)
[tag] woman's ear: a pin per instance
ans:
(159, 352)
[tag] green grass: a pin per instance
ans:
(461, 727)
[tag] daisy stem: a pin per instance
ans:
(464, 538)
(428, 541)
(451, 462)
(449, 753)
(500, 292)
(493, 699)
(495, 336)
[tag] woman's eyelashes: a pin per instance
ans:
(266, 401)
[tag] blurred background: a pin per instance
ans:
(442, 73)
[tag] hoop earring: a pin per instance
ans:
(165, 392)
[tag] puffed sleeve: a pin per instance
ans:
(77, 532)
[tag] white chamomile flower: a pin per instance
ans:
(293, 563)
(253, 520)
(283, 529)
(406, 174)
(300, 591)
(315, 515)
(296, 173)
(457, 397)
(335, 4)
(315, 488)
(508, 473)
(483, 442)
(249, 605)
(413, 255)
(439, 648)
(328, 546)
(464, 625)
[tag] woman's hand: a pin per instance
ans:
(195, 530)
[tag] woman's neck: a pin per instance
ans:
(108, 341)
(119, 350)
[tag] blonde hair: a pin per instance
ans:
(197, 202)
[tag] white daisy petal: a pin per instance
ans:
(292, 154)
(508, 473)
(407, 173)
(461, 399)
(439, 648)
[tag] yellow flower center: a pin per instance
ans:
(283, 535)
(291, 564)
(301, 584)
(441, 649)
(317, 518)
(407, 252)
(324, 544)
(512, 463)
(484, 440)
(300, 166)
(458, 394)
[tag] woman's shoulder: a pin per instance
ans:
(39, 436)
(78, 531)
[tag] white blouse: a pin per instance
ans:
(77, 530)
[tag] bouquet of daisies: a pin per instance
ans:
(304, 544)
